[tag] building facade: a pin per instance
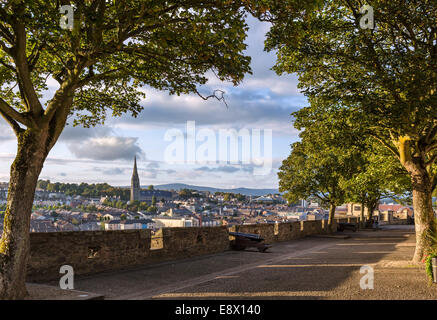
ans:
(135, 184)
(136, 194)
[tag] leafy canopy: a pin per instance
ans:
(114, 49)
(385, 76)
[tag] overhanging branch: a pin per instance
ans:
(220, 96)
(13, 114)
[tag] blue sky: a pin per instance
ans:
(262, 101)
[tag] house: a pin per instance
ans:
(354, 209)
(178, 212)
(118, 215)
(89, 226)
(176, 221)
(134, 224)
(209, 222)
(399, 211)
(42, 226)
(264, 199)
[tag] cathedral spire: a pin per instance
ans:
(135, 183)
(135, 166)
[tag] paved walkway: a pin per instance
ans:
(309, 268)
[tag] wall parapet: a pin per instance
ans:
(97, 251)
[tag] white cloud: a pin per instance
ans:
(107, 148)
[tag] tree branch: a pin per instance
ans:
(386, 144)
(13, 114)
(23, 70)
(220, 97)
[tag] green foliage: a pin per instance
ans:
(152, 209)
(227, 196)
(327, 156)
(142, 206)
(432, 253)
(380, 175)
(114, 49)
(188, 193)
(385, 77)
(85, 189)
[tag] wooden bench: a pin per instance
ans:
(346, 226)
(248, 240)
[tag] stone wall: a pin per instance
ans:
(96, 251)
(178, 243)
(86, 252)
(277, 232)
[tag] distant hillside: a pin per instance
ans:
(244, 191)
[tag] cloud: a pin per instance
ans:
(111, 171)
(247, 108)
(153, 165)
(263, 100)
(107, 148)
(73, 134)
(6, 132)
(226, 169)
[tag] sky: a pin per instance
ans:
(164, 141)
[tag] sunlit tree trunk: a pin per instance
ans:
(423, 214)
(422, 187)
(14, 243)
(362, 219)
(331, 218)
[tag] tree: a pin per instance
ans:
(329, 154)
(112, 50)
(153, 201)
(150, 187)
(381, 175)
(42, 184)
(152, 209)
(142, 206)
(385, 76)
(303, 175)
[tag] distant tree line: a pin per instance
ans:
(85, 189)
(131, 206)
(189, 193)
(228, 196)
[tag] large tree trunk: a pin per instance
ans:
(370, 210)
(14, 243)
(423, 213)
(362, 219)
(331, 218)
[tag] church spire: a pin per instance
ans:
(135, 166)
(135, 183)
